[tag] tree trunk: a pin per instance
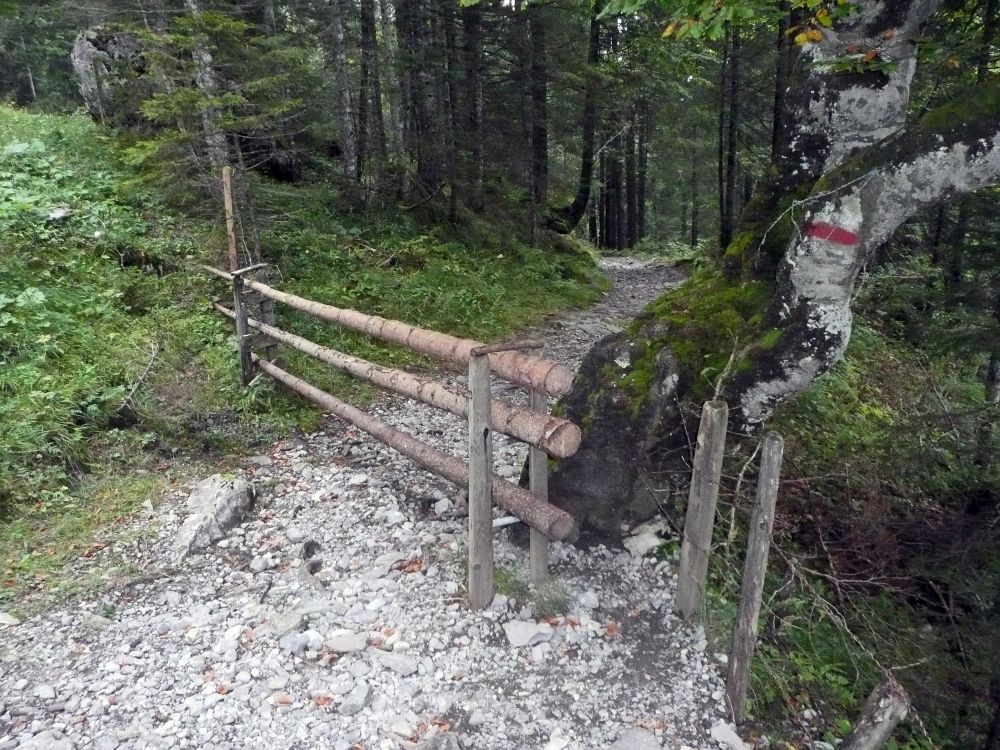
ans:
(371, 138)
(780, 310)
(721, 134)
(216, 147)
(348, 139)
(732, 138)
(631, 190)
(452, 126)
(539, 106)
(566, 219)
(783, 60)
(388, 56)
(887, 705)
(694, 199)
(472, 25)
(642, 173)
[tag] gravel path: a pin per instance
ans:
(333, 617)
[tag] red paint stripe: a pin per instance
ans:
(823, 231)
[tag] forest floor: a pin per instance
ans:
(333, 615)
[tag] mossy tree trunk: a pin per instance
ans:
(776, 314)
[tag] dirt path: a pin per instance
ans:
(332, 617)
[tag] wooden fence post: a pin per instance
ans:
(700, 517)
(227, 199)
(242, 329)
(480, 484)
(887, 705)
(754, 570)
(538, 484)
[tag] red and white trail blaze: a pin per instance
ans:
(822, 230)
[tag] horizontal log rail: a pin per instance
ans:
(547, 435)
(557, 437)
(554, 522)
(531, 372)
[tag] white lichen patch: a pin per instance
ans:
(758, 401)
(623, 360)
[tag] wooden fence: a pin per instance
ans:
(545, 434)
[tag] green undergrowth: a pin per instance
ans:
(100, 296)
(867, 570)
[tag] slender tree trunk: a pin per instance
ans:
(216, 147)
(732, 146)
(539, 107)
(570, 216)
(602, 200)
(472, 24)
(642, 174)
(372, 123)
(451, 67)
(989, 31)
(783, 61)
(388, 67)
(267, 17)
(348, 140)
(694, 198)
(631, 193)
(721, 135)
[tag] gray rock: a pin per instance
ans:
(8, 619)
(51, 739)
(725, 735)
(355, 700)
(636, 739)
(262, 563)
(293, 642)
(45, 692)
(443, 741)
(216, 504)
(521, 634)
(346, 641)
(398, 663)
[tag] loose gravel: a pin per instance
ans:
(333, 615)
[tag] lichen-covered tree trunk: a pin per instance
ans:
(777, 314)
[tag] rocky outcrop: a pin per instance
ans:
(104, 62)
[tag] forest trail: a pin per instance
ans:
(332, 617)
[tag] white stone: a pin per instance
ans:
(725, 734)
(636, 739)
(520, 634)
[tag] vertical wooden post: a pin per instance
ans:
(242, 329)
(700, 518)
(227, 199)
(887, 705)
(754, 569)
(480, 484)
(538, 483)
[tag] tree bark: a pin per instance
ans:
(388, 56)
(216, 147)
(642, 177)
(539, 106)
(782, 68)
(781, 310)
(472, 25)
(371, 137)
(732, 140)
(348, 138)
(567, 219)
(631, 190)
